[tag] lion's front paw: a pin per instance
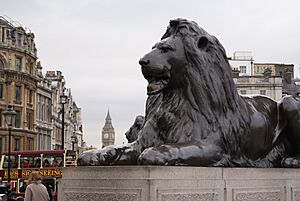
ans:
(88, 158)
(290, 163)
(152, 157)
(105, 156)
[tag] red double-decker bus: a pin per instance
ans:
(48, 163)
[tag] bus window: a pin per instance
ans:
(33, 161)
(26, 162)
(52, 160)
(37, 162)
(14, 162)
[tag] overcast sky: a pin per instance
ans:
(97, 44)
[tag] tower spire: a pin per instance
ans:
(108, 115)
(108, 132)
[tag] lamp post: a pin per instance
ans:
(73, 140)
(10, 116)
(63, 101)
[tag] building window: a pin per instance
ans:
(19, 39)
(263, 92)
(17, 144)
(37, 102)
(43, 113)
(18, 93)
(30, 96)
(31, 69)
(49, 111)
(1, 65)
(243, 92)
(3, 34)
(30, 145)
(1, 118)
(18, 64)
(0, 145)
(1, 90)
(242, 69)
(18, 119)
(40, 142)
(29, 118)
(257, 69)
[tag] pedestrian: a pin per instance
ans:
(36, 191)
(49, 190)
(19, 198)
(12, 197)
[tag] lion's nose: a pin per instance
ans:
(144, 62)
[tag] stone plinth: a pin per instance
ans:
(161, 183)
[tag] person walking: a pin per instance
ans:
(36, 191)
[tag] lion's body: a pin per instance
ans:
(194, 115)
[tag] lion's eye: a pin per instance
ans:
(165, 49)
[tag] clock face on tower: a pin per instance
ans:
(105, 135)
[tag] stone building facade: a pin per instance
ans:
(72, 114)
(57, 88)
(78, 128)
(108, 132)
(260, 85)
(18, 85)
(291, 87)
(276, 69)
(270, 79)
(242, 61)
(34, 97)
(43, 111)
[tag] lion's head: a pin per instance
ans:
(159, 66)
(193, 64)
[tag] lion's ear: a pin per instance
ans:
(203, 42)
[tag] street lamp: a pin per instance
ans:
(10, 117)
(63, 101)
(73, 140)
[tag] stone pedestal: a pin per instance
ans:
(161, 183)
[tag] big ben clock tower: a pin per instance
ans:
(108, 132)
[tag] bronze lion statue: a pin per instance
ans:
(195, 116)
(133, 132)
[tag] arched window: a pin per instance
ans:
(1, 65)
